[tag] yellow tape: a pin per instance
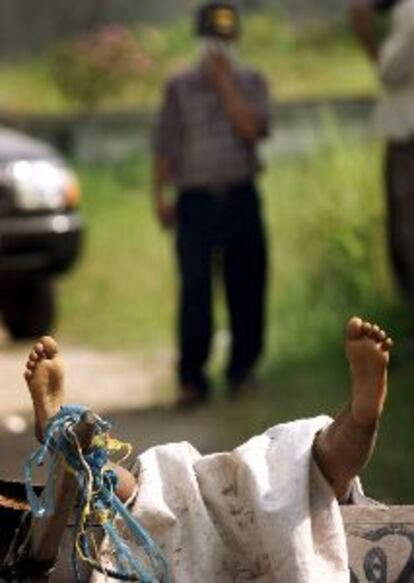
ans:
(112, 445)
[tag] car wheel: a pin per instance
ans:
(30, 312)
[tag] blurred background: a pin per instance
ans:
(113, 311)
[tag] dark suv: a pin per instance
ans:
(40, 231)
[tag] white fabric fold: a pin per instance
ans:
(262, 512)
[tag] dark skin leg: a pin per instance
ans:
(345, 446)
(45, 380)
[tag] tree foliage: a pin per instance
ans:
(98, 65)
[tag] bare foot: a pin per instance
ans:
(44, 377)
(367, 349)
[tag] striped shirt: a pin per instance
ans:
(195, 131)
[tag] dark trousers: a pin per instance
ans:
(399, 178)
(226, 225)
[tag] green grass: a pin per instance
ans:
(313, 61)
(326, 223)
(124, 286)
(317, 60)
(324, 216)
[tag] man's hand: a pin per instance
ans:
(162, 179)
(362, 21)
(246, 122)
(166, 213)
(218, 71)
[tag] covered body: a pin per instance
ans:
(262, 512)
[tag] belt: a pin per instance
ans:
(219, 191)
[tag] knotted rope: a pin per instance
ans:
(97, 499)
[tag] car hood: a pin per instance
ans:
(18, 146)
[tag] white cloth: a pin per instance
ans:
(395, 113)
(262, 512)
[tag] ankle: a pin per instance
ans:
(362, 423)
(366, 409)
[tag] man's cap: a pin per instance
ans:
(219, 20)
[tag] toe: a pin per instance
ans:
(27, 374)
(382, 336)
(387, 344)
(378, 334)
(354, 328)
(33, 356)
(50, 346)
(38, 349)
(367, 328)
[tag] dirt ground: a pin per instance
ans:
(130, 390)
(101, 380)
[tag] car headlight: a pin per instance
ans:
(42, 185)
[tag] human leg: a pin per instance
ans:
(195, 245)
(245, 267)
(345, 446)
(399, 182)
(44, 375)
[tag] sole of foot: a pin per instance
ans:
(367, 348)
(44, 377)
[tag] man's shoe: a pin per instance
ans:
(246, 387)
(191, 396)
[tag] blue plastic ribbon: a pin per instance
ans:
(99, 496)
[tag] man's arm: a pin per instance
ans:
(250, 123)
(396, 63)
(162, 179)
(362, 20)
(166, 150)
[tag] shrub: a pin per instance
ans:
(98, 65)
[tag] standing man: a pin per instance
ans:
(394, 60)
(211, 120)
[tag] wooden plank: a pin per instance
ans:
(380, 543)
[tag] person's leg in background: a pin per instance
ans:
(195, 246)
(399, 178)
(245, 274)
